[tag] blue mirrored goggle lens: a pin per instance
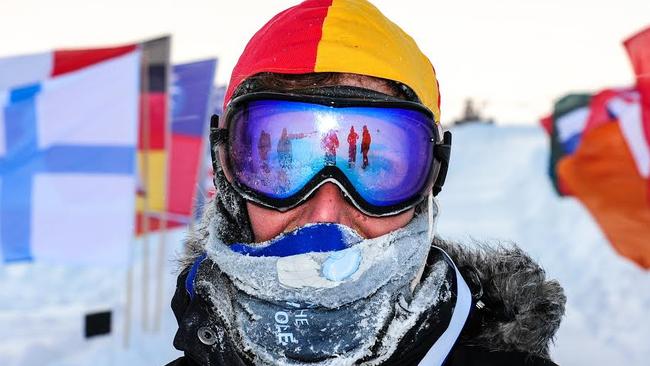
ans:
(278, 146)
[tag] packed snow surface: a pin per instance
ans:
(496, 189)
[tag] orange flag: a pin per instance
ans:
(602, 173)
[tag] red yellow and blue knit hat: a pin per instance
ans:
(346, 36)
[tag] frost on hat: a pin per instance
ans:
(347, 36)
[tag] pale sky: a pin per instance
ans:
(513, 56)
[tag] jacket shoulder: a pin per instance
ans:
(478, 356)
(182, 361)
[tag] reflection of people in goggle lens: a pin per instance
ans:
(329, 143)
(304, 258)
(263, 147)
(352, 149)
(365, 146)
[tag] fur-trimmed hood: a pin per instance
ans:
(519, 308)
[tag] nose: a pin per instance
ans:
(326, 205)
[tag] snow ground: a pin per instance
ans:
(496, 189)
(42, 310)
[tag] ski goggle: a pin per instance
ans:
(276, 149)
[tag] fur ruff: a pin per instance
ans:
(523, 309)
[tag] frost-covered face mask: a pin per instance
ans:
(324, 295)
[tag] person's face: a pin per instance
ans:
(327, 203)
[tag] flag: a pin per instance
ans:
(599, 113)
(191, 100)
(565, 127)
(191, 103)
(206, 188)
(153, 142)
(609, 168)
(570, 117)
(600, 154)
(68, 131)
(547, 123)
(638, 49)
(602, 174)
(626, 108)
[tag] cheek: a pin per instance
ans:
(267, 223)
(372, 227)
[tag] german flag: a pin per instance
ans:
(154, 135)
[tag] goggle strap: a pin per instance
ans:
(217, 137)
(442, 152)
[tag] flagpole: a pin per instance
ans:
(160, 273)
(145, 271)
(144, 115)
(128, 306)
(129, 298)
(162, 244)
(146, 127)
